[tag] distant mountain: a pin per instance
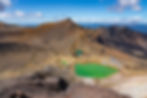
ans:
(137, 27)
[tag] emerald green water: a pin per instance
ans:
(93, 70)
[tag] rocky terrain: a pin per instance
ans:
(20, 46)
(25, 50)
(124, 39)
(46, 84)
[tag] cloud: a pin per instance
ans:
(38, 14)
(113, 20)
(4, 4)
(19, 13)
(21, 17)
(4, 15)
(22, 14)
(127, 20)
(125, 4)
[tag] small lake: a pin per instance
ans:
(92, 70)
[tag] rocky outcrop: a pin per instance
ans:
(124, 39)
(46, 84)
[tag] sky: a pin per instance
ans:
(89, 11)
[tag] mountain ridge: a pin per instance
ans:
(44, 43)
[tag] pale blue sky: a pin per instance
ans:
(103, 11)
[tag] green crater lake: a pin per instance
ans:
(92, 70)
